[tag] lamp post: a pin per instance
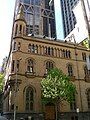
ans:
(15, 92)
(16, 88)
(78, 112)
(29, 117)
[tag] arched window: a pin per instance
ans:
(19, 46)
(84, 56)
(49, 50)
(20, 29)
(73, 104)
(30, 66)
(24, 30)
(14, 46)
(63, 53)
(45, 50)
(49, 65)
(16, 29)
(13, 65)
(29, 100)
(85, 70)
(29, 48)
(33, 48)
(68, 54)
(18, 64)
(88, 98)
(52, 51)
(70, 70)
(36, 49)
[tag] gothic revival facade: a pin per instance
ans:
(29, 59)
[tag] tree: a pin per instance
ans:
(56, 87)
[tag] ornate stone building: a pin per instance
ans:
(29, 59)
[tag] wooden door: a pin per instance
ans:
(49, 112)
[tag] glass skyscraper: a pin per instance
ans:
(40, 17)
(68, 17)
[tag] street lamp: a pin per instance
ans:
(29, 117)
(78, 112)
(16, 87)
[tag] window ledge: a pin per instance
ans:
(30, 74)
(72, 78)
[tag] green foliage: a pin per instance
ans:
(1, 82)
(57, 86)
(86, 43)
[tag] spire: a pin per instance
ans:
(20, 14)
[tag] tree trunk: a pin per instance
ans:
(56, 110)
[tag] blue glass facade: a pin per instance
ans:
(68, 17)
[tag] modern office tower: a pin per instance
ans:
(81, 32)
(40, 17)
(68, 17)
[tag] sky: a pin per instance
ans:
(6, 20)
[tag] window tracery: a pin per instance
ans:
(49, 65)
(70, 70)
(30, 66)
(29, 99)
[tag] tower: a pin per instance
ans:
(68, 17)
(40, 17)
(19, 23)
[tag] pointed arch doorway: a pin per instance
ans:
(50, 111)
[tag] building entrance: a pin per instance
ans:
(49, 112)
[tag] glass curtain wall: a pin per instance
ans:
(40, 17)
